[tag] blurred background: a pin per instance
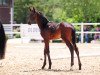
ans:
(83, 14)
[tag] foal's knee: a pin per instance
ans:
(76, 50)
(46, 51)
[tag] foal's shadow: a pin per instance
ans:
(57, 70)
(53, 70)
(63, 70)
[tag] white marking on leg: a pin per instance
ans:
(71, 68)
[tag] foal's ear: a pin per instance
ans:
(30, 9)
(33, 9)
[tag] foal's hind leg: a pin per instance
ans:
(77, 53)
(70, 46)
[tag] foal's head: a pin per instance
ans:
(38, 17)
(32, 15)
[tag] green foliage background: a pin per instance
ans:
(59, 10)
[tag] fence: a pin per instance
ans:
(32, 31)
(9, 29)
(82, 32)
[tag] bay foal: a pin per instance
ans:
(52, 30)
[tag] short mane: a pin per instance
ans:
(44, 20)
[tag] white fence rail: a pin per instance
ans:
(82, 29)
(32, 31)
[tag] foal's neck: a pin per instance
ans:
(41, 21)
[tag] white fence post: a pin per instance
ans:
(12, 30)
(21, 33)
(82, 33)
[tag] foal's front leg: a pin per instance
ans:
(44, 63)
(47, 52)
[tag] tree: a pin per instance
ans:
(21, 10)
(60, 10)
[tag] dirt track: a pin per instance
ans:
(26, 59)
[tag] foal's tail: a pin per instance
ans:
(73, 37)
(2, 42)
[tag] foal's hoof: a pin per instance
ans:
(42, 68)
(49, 68)
(80, 66)
(71, 68)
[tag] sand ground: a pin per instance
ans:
(27, 59)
